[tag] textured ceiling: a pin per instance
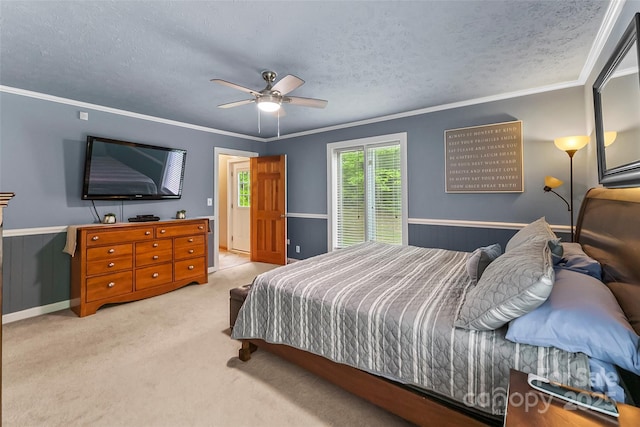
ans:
(368, 59)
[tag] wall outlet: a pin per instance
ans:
(297, 249)
(209, 201)
(288, 242)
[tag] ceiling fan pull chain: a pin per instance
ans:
(258, 120)
(278, 123)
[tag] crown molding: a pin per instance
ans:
(611, 16)
(450, 106)
(95, 107)
(608, 22)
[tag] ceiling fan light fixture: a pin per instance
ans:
(269, 103)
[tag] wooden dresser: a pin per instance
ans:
(130, 261)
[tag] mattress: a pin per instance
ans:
(390, 310)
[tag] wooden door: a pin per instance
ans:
(268, 209)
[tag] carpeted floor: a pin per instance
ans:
(163, 361)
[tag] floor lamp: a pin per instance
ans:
(570, 145)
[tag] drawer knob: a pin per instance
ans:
(155, 245)
(191, 267)
(154, 275)
(156, 257)
(200, 227)
(190, 240)
(163, 231)
(190, 251)
(94, 238)
(146, 233)
(111, 284)
(111, 250)
(111, 264)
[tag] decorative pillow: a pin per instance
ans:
(581, 315)
(627, 295)
(538, 228)
(480, 259)
(574, 258)
(557, 251)
(514, 284)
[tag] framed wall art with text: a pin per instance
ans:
(484, 159)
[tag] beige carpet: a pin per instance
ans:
(164, 361)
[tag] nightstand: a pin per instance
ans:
(529, 407)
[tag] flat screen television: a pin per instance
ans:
(131, 171)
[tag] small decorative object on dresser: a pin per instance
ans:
(109, 218)
(132, 261)
(182, 214)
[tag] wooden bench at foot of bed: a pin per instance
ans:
(407, 403)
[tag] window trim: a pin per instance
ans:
(332, 184)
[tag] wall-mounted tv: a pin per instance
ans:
(131, 171)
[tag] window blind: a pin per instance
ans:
(369, 199)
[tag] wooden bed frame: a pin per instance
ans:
(607, 233)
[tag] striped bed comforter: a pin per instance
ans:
(389, 310)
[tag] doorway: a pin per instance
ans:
(239, 230)
(228, 228)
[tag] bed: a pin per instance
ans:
(431, 334)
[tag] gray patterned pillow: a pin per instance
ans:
(514, 284)
(538, 228)
(480, 259)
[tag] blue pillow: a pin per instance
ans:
(479, 260)
(580, 315)
(574, 258)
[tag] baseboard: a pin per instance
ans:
(35, 311)
(46, 309)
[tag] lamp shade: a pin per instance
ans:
(571, 143)
(552, 182)
(269, 103)
(609, 137)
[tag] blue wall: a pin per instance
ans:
(43, 149)
(545, 116)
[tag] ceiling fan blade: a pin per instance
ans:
(235, 86)
(287, 84)
(237, 103)
(305, 102)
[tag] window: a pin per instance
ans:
(244, 189)
(367, 182)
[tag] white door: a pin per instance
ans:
(240, 208)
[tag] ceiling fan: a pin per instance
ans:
(271, 98)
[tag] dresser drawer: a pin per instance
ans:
(103, 266)
(182, 230)
(109, 285)
(189, 268)
(95, 238)
(154, 252)
(155, 275)
(109, 252)
(189, 247)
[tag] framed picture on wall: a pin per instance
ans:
(484, 159)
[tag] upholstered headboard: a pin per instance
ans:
(609, 231)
